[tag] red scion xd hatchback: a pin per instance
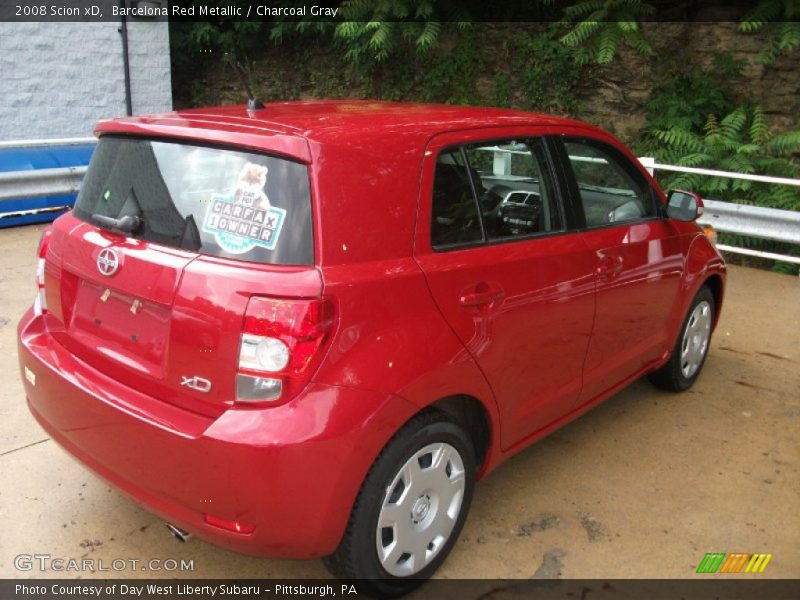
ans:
(307, 329)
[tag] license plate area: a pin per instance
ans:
(122, 327)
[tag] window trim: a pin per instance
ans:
(571, 181)
(474, 189)
(550, 166)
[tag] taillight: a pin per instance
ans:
(40, 303)
(282, 343)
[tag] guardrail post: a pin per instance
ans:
(649, 163)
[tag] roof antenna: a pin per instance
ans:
(253, 103)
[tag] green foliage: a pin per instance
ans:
(778, 20)
(449, 77)
(686, 97)
(374, 30)
(741, 142)
(282, 30)
(529, 69)
(198, 44)
(599, 27)
(446, 76)
(201, 39)
(541, 74)
(785, 268)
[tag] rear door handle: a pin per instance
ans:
(481, 294)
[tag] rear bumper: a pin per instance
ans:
(292, 471)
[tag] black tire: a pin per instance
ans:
(671, 377)
(356, 559)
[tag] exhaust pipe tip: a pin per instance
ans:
(179, 534)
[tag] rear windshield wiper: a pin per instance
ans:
(126, 224)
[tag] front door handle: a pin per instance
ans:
(481, 294)
(608, 267)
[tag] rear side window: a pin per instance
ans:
(493, 191)
(455, 211)
(514, 187)
(220, 202)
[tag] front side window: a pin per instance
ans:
(493, 191)
(611, 189)
(220, 202)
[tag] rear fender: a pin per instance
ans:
(392, 330)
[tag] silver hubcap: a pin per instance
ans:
(420, 509)
(695, 339)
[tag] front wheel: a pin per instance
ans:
(691, 348)
(410, 510)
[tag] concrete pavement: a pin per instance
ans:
(642, 486)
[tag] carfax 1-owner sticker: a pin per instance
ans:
(244, 218)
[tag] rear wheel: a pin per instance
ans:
(691, 348)
(410, 510)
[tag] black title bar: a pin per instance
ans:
(293, 10)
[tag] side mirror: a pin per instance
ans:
(684, 206)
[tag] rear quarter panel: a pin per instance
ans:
(390, 336)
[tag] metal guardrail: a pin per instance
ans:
(753, 221)
(742, 219)
(27, 193)
(41, 182)
(54, 142)
(651, 165)
(727, 217)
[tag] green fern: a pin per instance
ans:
(581, 9)
(740, 142)
(374, 30)
(582, 32)
(783, 143)
(759, 129)
(778, 19)
(429, 36)
(600, 27)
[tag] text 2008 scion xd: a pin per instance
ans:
(307, 329)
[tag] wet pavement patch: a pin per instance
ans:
(545, 522)
(594, 528)
(551, 566)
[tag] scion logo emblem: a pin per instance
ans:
(196, 383)
(107, 261)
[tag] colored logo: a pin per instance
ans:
(244, 219)
(738, 562)
(238, 228)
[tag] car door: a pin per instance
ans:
(638, 261)
(514, 283)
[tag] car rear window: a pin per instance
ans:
(220, 202)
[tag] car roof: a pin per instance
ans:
(340, 121)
